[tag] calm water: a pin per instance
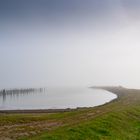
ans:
(55, 98)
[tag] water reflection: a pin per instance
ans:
(16, 93)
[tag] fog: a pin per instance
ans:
(69, 43)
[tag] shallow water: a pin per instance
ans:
(55, 98)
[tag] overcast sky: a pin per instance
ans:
(69, 43)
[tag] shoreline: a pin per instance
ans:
(106, 88)
(37, 124)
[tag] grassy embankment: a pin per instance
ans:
(117, 120)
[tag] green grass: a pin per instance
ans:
(123, 125)
(118, 120)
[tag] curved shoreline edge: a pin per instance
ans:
(125, 109)
(107, 88)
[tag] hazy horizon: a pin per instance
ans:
(69, 43)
